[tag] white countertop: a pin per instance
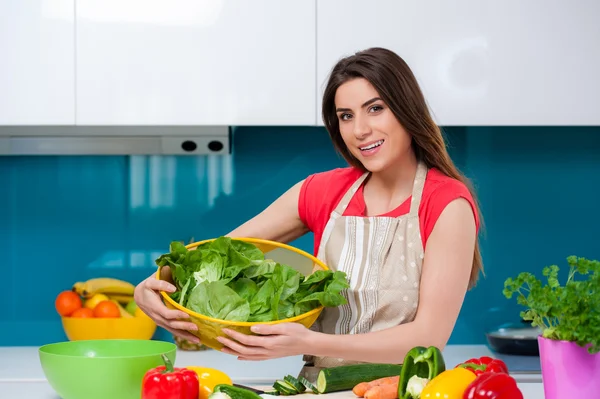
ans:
(20, 368)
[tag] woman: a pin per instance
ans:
(400, 221)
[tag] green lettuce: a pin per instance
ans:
(230, 279)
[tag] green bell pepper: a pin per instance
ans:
(420, 362)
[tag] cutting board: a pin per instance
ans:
(529, 390)
(309, 395)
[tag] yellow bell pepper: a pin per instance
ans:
(450, 384)
(208, 379)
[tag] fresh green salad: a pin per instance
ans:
(229, 279)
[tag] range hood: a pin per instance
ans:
(115, 140)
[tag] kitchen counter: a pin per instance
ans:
(20, 368)
(22, 364)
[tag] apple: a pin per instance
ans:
(131, 307)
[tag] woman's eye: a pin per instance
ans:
(376, 108)
(345, 117)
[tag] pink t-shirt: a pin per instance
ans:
(321, 192)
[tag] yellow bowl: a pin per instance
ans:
(209, 328)
(80, 328)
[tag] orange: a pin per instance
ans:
(67, 302)
(83, 312)
(107, 309)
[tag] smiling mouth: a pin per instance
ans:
(371, 146)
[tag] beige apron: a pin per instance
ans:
(382, 257)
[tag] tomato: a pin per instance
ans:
(67, 302)
(209, 378)
(106, 309)
(83, 312)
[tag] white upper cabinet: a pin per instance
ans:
(479, 63)
(37, 66)
(191, 62)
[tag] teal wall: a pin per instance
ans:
(65, 219)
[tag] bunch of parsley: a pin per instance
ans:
(569, 312)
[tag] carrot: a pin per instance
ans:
(384, 391)
(362, 388)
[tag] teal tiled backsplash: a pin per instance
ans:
(69, 218)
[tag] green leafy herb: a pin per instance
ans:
(230, 279)
(569, 312)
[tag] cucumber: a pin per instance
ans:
(234, 392)
(284, 388)
(307, 384)
(295, 383)
(289, 386)
(344, 378)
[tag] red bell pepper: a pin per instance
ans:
(484, 364)
(493, 386)
(167, 382)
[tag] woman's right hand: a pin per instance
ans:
(147, 297)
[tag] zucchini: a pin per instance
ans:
(234, 392)
(344, 378)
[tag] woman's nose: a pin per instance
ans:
(361, 128)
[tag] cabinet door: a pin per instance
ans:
(37, 67)
(187, 62)
(479, 63)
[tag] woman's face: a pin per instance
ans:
(368, 127)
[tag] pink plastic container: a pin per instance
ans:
(568, 370)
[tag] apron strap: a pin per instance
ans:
(418, 185)
(341, 208)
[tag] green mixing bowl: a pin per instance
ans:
(102, 369)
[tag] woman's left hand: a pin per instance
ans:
(272, 341)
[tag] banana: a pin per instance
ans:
(122, 299)
(103, 285)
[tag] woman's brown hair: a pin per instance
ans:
(397, 86)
